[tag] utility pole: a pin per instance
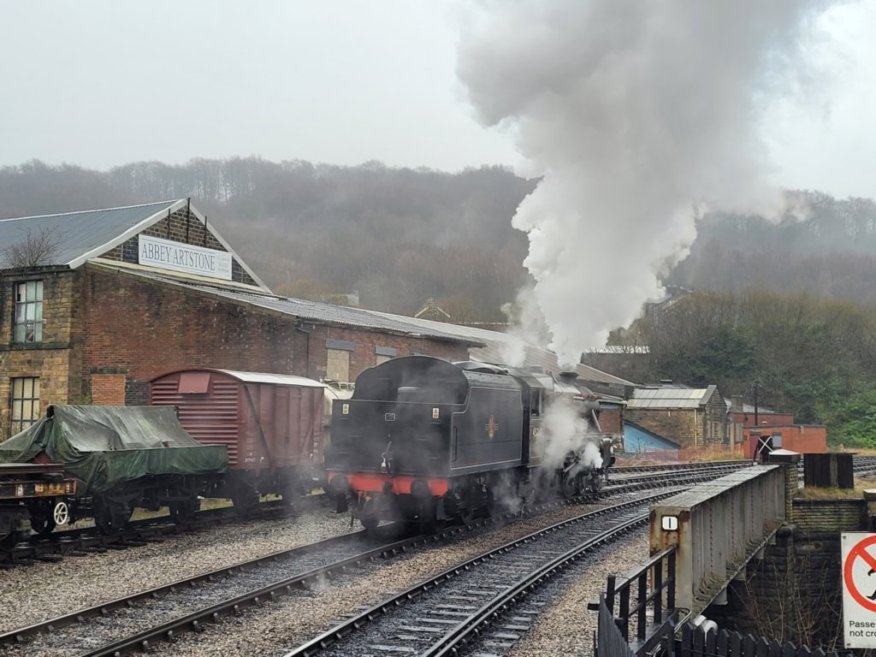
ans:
(756, 423)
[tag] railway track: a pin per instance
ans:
(483, 605)
(140, 620)
(88, 540)
(80, 631)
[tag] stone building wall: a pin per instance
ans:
(51, 359)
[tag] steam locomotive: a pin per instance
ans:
(426, 441)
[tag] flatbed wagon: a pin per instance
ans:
(39, 493)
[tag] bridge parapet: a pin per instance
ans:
(717, 527)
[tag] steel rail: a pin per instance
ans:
(81, 615)
(192, 621)
(328, 638)
(469, 628)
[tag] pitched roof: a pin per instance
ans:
(669, 397)
(305, 310)
(494, 344)
(81, 236)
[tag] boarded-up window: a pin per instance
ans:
(337, 366)
(383, 354)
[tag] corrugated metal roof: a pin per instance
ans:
(669, 397)
(79, 233)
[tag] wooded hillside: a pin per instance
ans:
(395, 236)
(786, 305)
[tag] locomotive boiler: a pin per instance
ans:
(425, 440)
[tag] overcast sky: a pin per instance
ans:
(102, 83)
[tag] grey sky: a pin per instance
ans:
(101, 83)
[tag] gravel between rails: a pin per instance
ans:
(280, 626)
(49, 589)
(566, 627)
(36, 593)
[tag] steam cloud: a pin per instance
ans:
(564, 432)
(637, 115)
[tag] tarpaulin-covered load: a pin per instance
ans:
(108, 445)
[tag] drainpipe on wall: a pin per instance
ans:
(696, 426)
(306, 329)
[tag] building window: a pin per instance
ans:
(28, 326)
(337, 365)
(383, 354)
(25, 402)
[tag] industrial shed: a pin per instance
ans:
(127, 294)
(691, 417)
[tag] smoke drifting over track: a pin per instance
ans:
(637, 116)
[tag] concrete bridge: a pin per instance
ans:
(718, 527)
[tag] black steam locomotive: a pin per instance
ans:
(426, 441)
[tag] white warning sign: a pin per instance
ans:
(859, 589)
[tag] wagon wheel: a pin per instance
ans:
(42, 524)
(110, 516)
(41, 519)
(61, 513)
(182, 512)
(245, 499)
(291, 495)
(10, 540)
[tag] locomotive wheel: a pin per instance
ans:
(465, 515)
(595, 484)
(369, 523)
(570, 488)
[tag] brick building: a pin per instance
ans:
(95, 304)
(691, 417)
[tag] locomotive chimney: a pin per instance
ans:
(568, 377)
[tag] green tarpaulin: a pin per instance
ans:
(108, 445)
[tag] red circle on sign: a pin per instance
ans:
(859, 551)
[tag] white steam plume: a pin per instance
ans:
(564, 431)
(637, 114)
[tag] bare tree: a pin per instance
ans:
(37, 247)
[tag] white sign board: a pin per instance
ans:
(184, 257)
(859, 589)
